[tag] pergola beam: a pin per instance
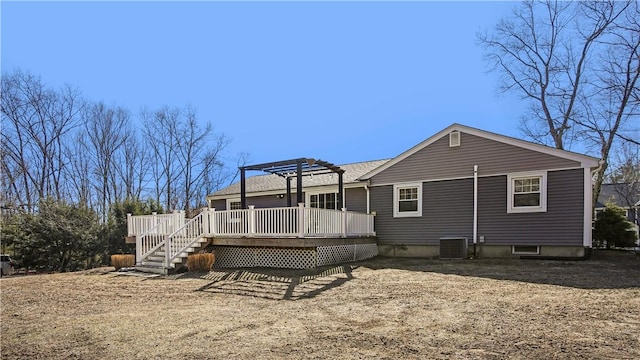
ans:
(295, 167)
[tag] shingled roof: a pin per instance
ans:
(272, 182)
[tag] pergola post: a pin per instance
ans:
(340, 190)
(288, 191)
(299, 181)
(243, 189)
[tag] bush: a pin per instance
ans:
(200, 262)
(121, 261)
(613, 229)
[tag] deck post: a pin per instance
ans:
(344, 222)
(138, 250)
(129, 225)
(167, 250)
(205, 221)
(301, 220)
(252, 220)
(212, 221)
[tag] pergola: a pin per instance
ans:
(289, 169)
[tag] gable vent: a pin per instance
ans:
(454, 139)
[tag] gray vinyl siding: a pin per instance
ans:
(219, 204)
(355, 198)
(265, 201)
(448, 211)
(562, 223)
(439, 161)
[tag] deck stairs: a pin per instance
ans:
(155, 262)
(181, 242)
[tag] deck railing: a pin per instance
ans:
(185, 236)
(297, 221)
(142, 224)
(177, 234)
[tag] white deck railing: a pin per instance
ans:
(185, 237)
(176, 234)
(141, 224)
(289, 222)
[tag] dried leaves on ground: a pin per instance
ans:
(382, 308)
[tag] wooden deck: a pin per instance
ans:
(292, 237)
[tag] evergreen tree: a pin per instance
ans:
(612, 228)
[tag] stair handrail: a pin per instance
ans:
(141, 253)
(199, 223)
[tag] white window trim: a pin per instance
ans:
(307, 196)
(396, 208)
(543, 192)
(230, 200)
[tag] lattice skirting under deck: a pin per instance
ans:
(291, 258)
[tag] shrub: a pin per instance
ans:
(200, 262)
(613, 229)
(120, 261)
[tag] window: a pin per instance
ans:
(234, 204)
(525, 250)
(407, 200)
(323, 201)
(527, 192)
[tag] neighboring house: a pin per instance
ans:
(626, 196)
(498, 195)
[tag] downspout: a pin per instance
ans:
(366, 188)
(475, 208)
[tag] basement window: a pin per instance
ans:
(525, 250)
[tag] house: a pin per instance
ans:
(461, 192)
(491, 194)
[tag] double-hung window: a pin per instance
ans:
(407, 200)
(527, 192)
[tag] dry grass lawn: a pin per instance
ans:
(378, 309)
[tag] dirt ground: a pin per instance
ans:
(377, 309)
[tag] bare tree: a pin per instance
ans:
(36, 123)
(553, 54)
(611, 106)
(626, 174)
(107, 130)
(199, 151)
(133, 169)
(187, 155)
(79, 187)
(160, 133)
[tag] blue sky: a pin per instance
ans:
(339, 81)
